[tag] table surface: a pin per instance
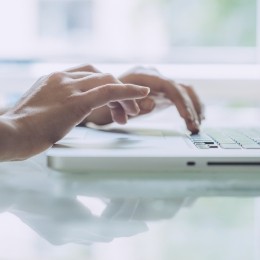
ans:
(52, 215)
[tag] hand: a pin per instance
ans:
(184, 97)
(58, 102)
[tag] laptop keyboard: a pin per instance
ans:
(227, 139)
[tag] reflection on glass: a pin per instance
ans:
(74, 216)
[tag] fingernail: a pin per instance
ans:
(147, 104)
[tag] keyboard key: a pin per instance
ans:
(230, 146)
(213, 146)
(227, 139)
(202, 146)
(251, 146)
(204, 142)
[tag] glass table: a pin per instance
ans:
(47, 214)
(52, 215)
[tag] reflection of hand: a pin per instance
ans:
(53, 210)
(58, 102)
(49, 204)
(184, 97)
(144, 209)
(66, 220)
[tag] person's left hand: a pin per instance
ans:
(58, 102)
(183, 97)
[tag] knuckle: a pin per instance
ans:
(108, 78)
(57, 76)
(182, 92)
(89, 68)
(176, 90)
(108, 91)
(41, 80)
(189, 88)
(171, 84)
(138, 70)
(79, 108)
(114, 105)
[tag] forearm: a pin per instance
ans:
(7, 142)
(11, 142)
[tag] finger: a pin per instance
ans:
(130, 107)
(173, 92)
(198, 105)
(102, 95)
(78, 74)
(176, 94)
(146, 105)
(106, 115)
(84, 68)
(147, 78)
(118, 113)
(94, 80)
(183, 103)
(140, 75)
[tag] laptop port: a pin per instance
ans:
(191, 163)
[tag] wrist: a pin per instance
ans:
(13, 145)
(8, 140)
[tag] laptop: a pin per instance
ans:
(229, 141)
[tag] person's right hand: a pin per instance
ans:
(163, 93)
(58, 102)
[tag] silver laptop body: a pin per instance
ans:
(157, 146)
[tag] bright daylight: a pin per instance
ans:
(130, 130)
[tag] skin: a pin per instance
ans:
(182, 96)
(58, 102)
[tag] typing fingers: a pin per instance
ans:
(117, 113)
(178, 95)
(111, 95)
(184, 99)
(198, 105)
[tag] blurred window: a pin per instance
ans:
(175, 31)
